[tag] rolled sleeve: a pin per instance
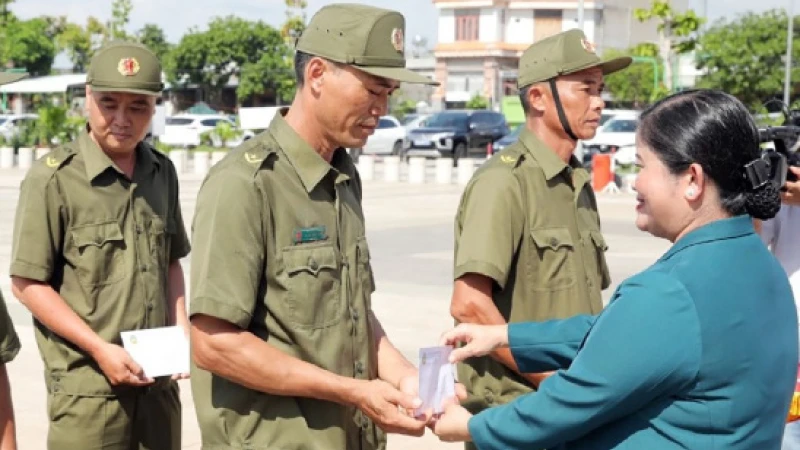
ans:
(489, 226)
(38, 229)
(644, 346)
(228, 256)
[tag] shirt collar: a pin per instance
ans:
(547, 159)
(309, 165)
(717, 230)
(97, 161)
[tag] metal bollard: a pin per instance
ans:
(444, 171)
(6, 158)
(366, 167)
(391, 168)
(178, 158)
(25, 158)
(201, 160)
(416, 170)
(466, 166)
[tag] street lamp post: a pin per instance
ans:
(580, 14)
(788, 75)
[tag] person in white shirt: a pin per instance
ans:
(782, 235)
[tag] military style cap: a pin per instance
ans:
(562, 54)
(6, 78)
(367, 38)
(125, 67)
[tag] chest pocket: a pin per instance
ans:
(554, 268)
(314, 299)
(101, 250)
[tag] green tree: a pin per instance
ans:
(639, 84)
(477, 102)
(120, 17)
(745, 57)
(5, 14)
(80, 42)
(26, 44)
(295, 19)
(153, 37)
(676, 34)
(252, 51)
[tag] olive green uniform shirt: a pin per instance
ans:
(104, 243)
(280, 251)
(9, 342)
(528, 221)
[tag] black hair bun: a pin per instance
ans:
(764, 202)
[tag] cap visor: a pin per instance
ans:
(6, 78)
(616, 64)
(400, 74)
(125, 90)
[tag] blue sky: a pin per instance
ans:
(177, 16)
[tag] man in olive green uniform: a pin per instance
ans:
(9, 347)
(528, 242)
(288, 352)
(97, 242)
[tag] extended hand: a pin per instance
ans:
(387, 407)
(453, 424)
(480, 340)
(792, 194)
(119, 367)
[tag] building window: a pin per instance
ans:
(467, 21)
(547, 22)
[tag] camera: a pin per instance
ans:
(782, 154)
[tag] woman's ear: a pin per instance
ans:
(695, 182)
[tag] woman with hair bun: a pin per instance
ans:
(698, 351)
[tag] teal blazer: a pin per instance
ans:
(699, 351)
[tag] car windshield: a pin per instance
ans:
(444, 120)
(605, 117)
(409, 118)
(620, 126)
(179, 121)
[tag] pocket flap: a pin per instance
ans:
(599, 241)
(363, 250)
(309, 259)
(97, 234)
(552, 238)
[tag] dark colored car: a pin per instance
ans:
(507, 140)
(458, 134)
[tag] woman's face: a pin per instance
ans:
(662, 208)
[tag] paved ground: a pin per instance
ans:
(410, 233)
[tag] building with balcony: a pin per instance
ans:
(480, 41)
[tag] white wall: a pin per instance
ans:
(570, 18)
(489, 25)
(519, 26)
(447, 26)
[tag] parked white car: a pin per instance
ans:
(185, 130)
(618, 134)
(10, 125)
(387, 139)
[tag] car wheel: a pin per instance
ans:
(459, 152)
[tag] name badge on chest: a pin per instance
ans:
(310, 234)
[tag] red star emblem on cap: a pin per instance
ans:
(128, 67)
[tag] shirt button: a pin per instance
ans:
(489, 397)
(355, 315)
(138, 229)
(144, 268)
(553, 242)
(149, 306)
(312, 263)
(359, 367)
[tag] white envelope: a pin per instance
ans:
(436, 378)
(160, 351)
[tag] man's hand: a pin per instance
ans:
(791, 196)
(387, 407)
(119, 367)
